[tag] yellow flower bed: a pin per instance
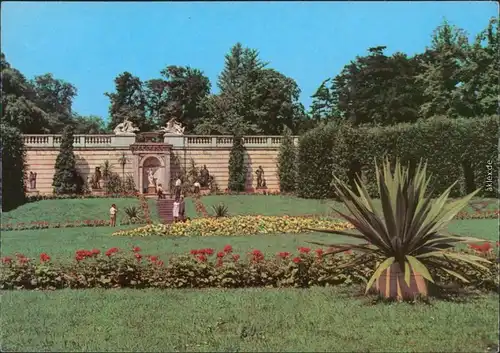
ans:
(239, 225)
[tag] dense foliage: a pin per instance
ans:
(287, 163)
(66, 178)
(444, 143)
(451, 77)
(237, 167)
(202, 268)
(13, 163)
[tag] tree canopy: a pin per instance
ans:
(452, 77)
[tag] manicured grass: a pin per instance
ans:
(314, 319)
(79, 209)
(287, 205)
(250, 320)
(62, 243)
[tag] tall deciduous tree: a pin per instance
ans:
(13, 163)
(480, 90)
(178, 94)
(444, 73)
(128, 101)
(66, 178)
(253, 98)
(18, 102)
(55, 98)
(91, 124)
(377, 89)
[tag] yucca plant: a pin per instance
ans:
(407, 234)
(220, 210)
(132, 213)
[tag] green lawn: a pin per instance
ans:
(250, 320)
(79, 210)
(61, 243)
(285, 205)
(315, 319)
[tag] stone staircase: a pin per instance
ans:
(165, 207)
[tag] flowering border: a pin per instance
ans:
(203, 268)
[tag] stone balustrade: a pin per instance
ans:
(186, 141)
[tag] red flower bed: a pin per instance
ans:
(202, 268)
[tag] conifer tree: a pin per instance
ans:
(237, 167)
(66, 179)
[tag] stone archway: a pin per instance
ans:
(156, 165)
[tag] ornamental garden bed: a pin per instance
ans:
(208, 267)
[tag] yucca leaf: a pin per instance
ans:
(419, 268)
(455, 274)
(470, 259)
(407, 273)
(378, 272)
(338, 232)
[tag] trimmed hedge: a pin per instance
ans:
(458, 149)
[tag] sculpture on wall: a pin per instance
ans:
(173, 128)
(125, 128)
(151, 177)
(32, 180)
(204, 177)
(261, 182)
(96, 178)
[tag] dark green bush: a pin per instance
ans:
(66, 177)
(287, 166)
(315, 162)
(454, 149)
(237, 167)
(13, 163)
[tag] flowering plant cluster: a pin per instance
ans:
(201, 268)
(40, 197)
(240, 225)
(67, 224)
(478, 214)
(200, 207)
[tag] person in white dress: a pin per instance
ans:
(175, 209)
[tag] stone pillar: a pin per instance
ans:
(167, 171)
(135, 168)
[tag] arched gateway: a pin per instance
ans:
(151, 163)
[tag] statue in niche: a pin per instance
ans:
(173, 127)
(96, 178)
(125, 128)
(151, 177)
(261, 181)
(204, 177)
(32, 180)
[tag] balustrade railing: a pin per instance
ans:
(187, 141)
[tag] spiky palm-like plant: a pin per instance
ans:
(408, 233)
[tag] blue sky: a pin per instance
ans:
(89, 44)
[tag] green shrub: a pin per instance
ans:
(454, 149)
(220, 210)
(237, 167)
(204, 268)
(12, 164)
(287, 167)
(66, 178)
(315, 163)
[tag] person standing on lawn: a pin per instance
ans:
(112, 215)
(182, 209)
(175, 209)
